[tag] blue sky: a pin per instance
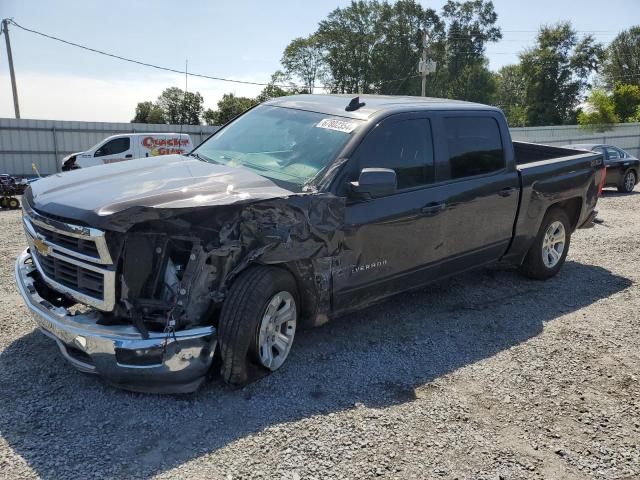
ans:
(241, 39)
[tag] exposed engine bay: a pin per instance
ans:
(173, 273)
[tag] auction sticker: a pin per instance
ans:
(340, 125)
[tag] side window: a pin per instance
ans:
(475, 146)
(405, 146)
(117, 145)
(614, 153)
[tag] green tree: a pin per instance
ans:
(374, 47)
(626, 98)
(180, 107)
(557, 70)
(147, 112)
(622, 64)
(170, 102)
(471, 25)
(348, 37)
(279, 86)
(229, 107)
(599, 113)
(510, 94)
(209, 117)
(304, 59)
(395, 60)
(635, 117)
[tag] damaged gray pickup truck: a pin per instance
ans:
(154, 272)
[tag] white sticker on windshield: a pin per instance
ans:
(340, 125)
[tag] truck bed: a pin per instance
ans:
(553, 175)
(534, 152)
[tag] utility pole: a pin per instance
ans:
(425, 67)
(12, 73)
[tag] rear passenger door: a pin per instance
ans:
(483, 190)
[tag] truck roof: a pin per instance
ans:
(335, 104)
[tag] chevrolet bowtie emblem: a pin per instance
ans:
(42, 248)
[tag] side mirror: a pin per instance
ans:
(98, 153)
(374, 182)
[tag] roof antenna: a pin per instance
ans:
(354, 105)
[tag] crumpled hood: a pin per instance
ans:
(164, 182)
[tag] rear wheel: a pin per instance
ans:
(4, 202)
(628, 182)
(550, 247)
(257, 323)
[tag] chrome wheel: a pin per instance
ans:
(629, 182)
(277, 329)
(553, 244)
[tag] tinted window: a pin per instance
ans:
(117, 145)
(475, 146)
(404, 146)
(613, 153)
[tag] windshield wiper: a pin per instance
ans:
(201, 157)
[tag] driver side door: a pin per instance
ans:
(393, 242)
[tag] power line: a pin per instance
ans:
(261, 84)
(138, 62)
(174, 70)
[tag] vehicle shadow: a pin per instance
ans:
(61, 421)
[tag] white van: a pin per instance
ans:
(118, 148)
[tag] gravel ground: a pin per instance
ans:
(484, 376)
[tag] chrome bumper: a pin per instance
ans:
(119, 353)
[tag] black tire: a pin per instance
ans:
(13, 203)
(240, 318)
(627, 184)
(4, 202)
(534, 266)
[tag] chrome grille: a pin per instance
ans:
(78, 245)
(73, 276)
(72, 259)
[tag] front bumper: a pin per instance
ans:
(119, 353)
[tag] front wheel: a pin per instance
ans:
(628, 182)
(550, 247)
(257, 322)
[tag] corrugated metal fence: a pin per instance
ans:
(43, 142)
(624, 135)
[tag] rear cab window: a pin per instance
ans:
(474, 145)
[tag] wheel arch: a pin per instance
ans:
(573, 208)
(305, 294)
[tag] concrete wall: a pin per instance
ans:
(624, 135)
(43, 142)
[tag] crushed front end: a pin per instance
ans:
(134, 308)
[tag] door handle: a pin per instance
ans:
(128, 156)
(506, 192)
(431, 209)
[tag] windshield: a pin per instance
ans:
(280, 143)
